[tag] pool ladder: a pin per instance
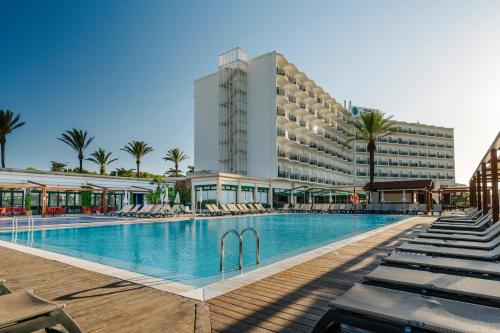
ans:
(240, 247)
(15, 225)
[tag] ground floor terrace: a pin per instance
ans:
(291, 300)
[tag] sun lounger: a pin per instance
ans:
(481, 223)
(490, 233)
(153, 211)
(470, 289)
(25, 312)
(226, 209)
(4, 290)
(125, 210)
(262, 209)
(468, 244)
(473, 218)
(243, 208)
(457, 266)
(386, 310)
(133, 210)
(144, 210)
(474, 213)
(454, 252)
(422, 208)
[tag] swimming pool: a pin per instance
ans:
(51, 220)
(188, 251)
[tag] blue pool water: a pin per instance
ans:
(46, 221)
(188, 251)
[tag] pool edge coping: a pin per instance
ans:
(212, 290)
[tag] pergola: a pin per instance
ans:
(482, 195)
(44, 188)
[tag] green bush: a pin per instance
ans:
(86, 197)
(27, 201)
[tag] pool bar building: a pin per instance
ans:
(48, 190)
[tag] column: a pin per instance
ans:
(44, 201)
(105, 201)
(478, 189)
(484, 187)
(494, 184)
(270, 195)
(193, 199)
(218, 191)
(255, 192)
(238, 193)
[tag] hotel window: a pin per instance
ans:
(228, 193)
(262, 195)
(246, 194)
(208, 192)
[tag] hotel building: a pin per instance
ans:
(265, 119)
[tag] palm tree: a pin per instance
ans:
(190, 168)
(8, 123)
(370, 126)
(138, 149)
(57, 166)
(78, 140)
(102, 159)
(175, 156)
(122, 172)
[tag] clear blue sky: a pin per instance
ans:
(124, 70)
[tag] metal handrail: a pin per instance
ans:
(240, 247)
(257, 243)
(240, 260)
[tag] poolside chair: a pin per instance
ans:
(450, 286)
(412, 209)
(422, 208)
(25, 312)
(488, 234)
(243, 208)
(262, 208)
(466, 267)
(152, 212)
(454, 252)
(225, 208)
(468, 244)
(481, 223)
(386, 310)
(125, 209)
(132, 211)
(143, 211)
(437, 208)
(472, 214)
(285, 208)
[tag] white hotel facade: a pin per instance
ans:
(264, 119)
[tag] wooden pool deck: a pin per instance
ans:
(290, 301)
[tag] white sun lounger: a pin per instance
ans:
(387, 310)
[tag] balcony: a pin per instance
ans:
(281, 112)
(280, 91)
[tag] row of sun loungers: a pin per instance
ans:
(148, 210)
(26, 312)
(235, 209)
(360, 208)
(444, 280)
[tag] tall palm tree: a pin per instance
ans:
(368, 127)
(102, 159)
(122, 172)
(8, 123)
(57, 166)
(78, 140)
(175, 156)
(190, 168)
(138, 149)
